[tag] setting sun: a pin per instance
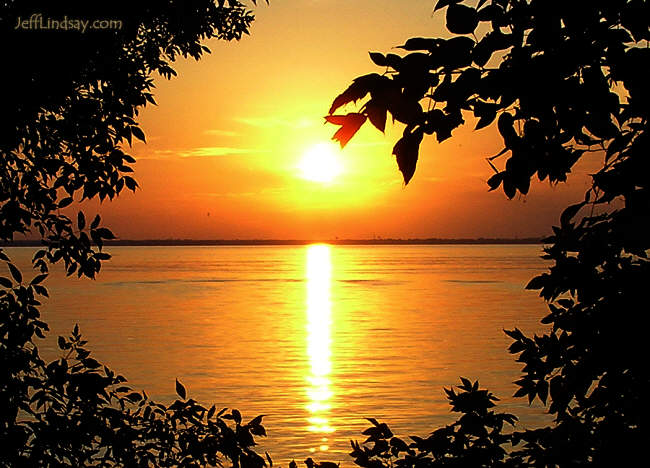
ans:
(320, 163)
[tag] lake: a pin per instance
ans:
(316, 337)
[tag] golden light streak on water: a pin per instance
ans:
(319, 319)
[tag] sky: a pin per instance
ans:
(228, 142)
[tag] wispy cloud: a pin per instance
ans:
(207, 151)
(271, 122)
(248, 194)
(216, 151)
(217, 132)
(203, 195)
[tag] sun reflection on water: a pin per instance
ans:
(319, 319)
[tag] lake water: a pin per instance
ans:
(317, 338)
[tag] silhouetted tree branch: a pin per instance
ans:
(71, 101)
(557, 80)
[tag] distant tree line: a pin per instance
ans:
(377, 241)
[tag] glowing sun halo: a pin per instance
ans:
(320, 164)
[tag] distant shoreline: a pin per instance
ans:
(252, 242)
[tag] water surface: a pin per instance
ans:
(315, 337)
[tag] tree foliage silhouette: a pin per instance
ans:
(559, 81)
(70, 101)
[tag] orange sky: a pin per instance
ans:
(227, 137)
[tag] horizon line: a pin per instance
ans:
(336, 241)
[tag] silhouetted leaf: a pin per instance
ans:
(91, 363)
(406, 152)
(444, 3)
(236, 416)
(420, 43)
(378, 59)
(486, 113)
(394, 61)
(357, 90)
(130, 183)
(5, 282)
(350, 124)
(373, 421)
(39, 254)
(376, 114)
(138, 133)
(81, 220)
(523, 183)
(495, 180)
(256, 420)
(105, 233)
(456, 52)
(537, 282)
(180, 390)
(505, 123)
(521, 392)
(38, 279)
(405, 110)
(509, 187)
(15, 272)
(134, 396)
(461, 19)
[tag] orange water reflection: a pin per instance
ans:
(319, 320)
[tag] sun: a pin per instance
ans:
(319, 163)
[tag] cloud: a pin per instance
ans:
(215, 151)
(217, 132)
(266, 192)
(207, 151)
(271, 122)
(203, 195)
